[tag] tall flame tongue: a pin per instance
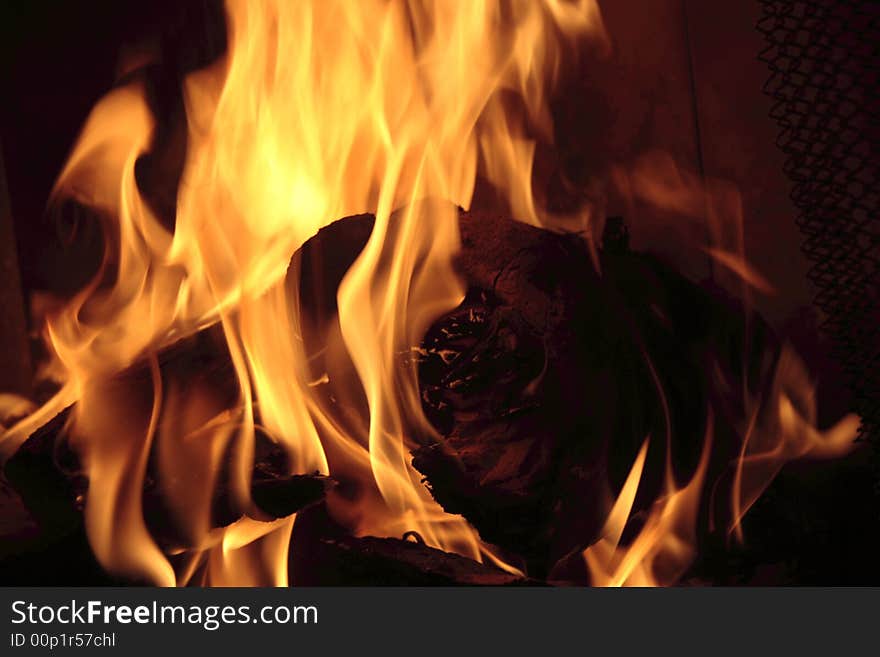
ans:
(319, 110)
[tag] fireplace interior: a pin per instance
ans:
(672, 382)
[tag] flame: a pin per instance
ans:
(780, 427)
(318, 110)
(739, 265)
(665, 545)
(778, 424)
(13, 408)
(709, 208)
(787, 431)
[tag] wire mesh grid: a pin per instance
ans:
(823, 61)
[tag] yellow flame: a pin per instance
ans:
(323, 109)
(664, 546)
(319, 110)
(780, 426)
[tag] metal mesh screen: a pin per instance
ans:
(823, 59)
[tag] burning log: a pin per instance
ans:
(542, 385)
(51, 548)
(324, 554)
(372, 561)
(547, 379)
(46, 474)
(585, 368)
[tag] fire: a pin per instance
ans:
(776, 432)
(787, 432)
(779, 424)
(320, 110)
(664, 546)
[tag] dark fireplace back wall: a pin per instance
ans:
(683, 78)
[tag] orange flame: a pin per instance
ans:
(319, 110)
(784, 432)
(778, 426)
(665, 544)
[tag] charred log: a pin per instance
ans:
(542, 386)
(51, 548)
(46, 473)
(582, 368)
(372, 561)
(545, 382)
